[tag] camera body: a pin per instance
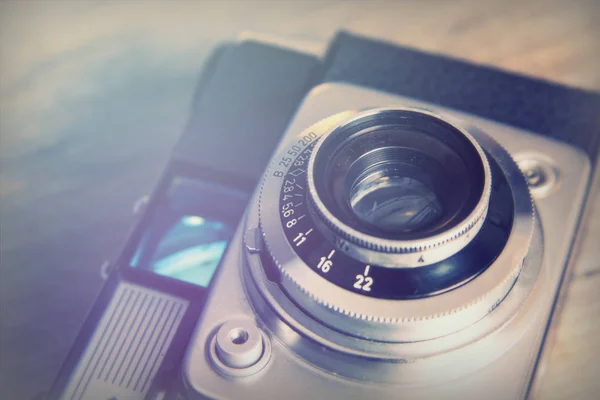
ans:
(492, 358)
(441, 199)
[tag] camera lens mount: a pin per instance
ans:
(337, 214)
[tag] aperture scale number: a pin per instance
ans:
(364, 281)
(298, 150)
(293, 212)
(292, 199)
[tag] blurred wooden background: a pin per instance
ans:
(94, 94)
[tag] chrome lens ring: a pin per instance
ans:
(399, 187)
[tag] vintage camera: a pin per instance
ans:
(406, 238)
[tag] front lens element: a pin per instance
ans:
(387, 198)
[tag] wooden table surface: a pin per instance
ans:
(94, 94)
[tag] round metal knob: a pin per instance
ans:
(239, 343)
(239, 348)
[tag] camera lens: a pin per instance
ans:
(400, 180)
(386, 227)
(399, 183)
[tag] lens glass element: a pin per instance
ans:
(392, 201)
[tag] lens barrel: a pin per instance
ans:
(402, 187)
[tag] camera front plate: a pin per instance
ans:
(505, 374)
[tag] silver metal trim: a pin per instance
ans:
(415, 362)
(128, 345)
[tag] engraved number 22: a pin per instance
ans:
(364, 282)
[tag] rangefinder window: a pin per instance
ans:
(189, 230)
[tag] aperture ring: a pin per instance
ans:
(401, 319)
(322, 254)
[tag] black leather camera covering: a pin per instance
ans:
(560, 112)
(248, 95)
